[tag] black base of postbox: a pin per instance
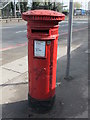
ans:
(41, 106)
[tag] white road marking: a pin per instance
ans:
(21, 31)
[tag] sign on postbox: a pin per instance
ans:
(39, 48)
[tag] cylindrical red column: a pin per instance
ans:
(42, 33)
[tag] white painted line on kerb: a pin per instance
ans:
(63, 25)
(0, 58)
(64, 50)
(87, 51)
(75, 22)
(21, 31)
(81, 22)
(5, 27)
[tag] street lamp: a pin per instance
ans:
(19, 6)
(14, 8)
(68, 77)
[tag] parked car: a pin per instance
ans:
(79, 12)
(65, 12)
(18, 14)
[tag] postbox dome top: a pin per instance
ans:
(43, 15)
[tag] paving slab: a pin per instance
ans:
(19, 65)
(10, 91)
(7, 75)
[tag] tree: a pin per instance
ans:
(77, 5)
(35, 5)
(46, 5)
(23, 6)
(59, 7)
(12, 8)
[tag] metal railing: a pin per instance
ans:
(11, 20)
(4, 3)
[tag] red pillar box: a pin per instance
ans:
(42, 33)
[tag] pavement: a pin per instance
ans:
(71, 96)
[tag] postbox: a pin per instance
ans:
(42, 34)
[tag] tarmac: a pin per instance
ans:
(71, 96)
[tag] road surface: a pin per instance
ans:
(14, 38)
(15, 35)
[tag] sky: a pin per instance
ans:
(66, 2)
(84, 3)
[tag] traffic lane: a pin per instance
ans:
(11, 31)
(11, 38)
(21, 29)
(62, 40)
(14, 27)
(18, 34)
(76, 39)
(63, 28)
(63, 32)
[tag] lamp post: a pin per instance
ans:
(68, 77)
(19, 7)
(14, 8)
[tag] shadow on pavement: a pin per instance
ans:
(15, 110)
